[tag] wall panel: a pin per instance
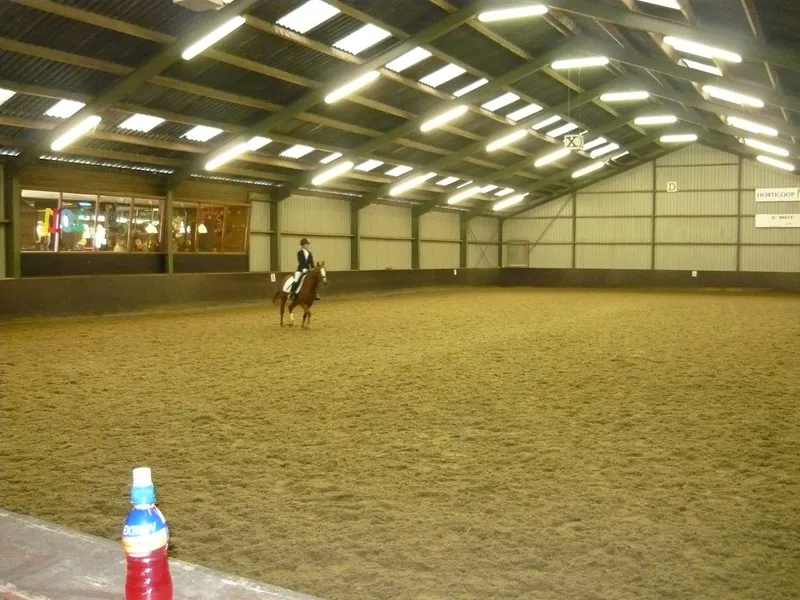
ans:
(750, 234)
(755, 175)
(770, 258)
(610, 256)
(749, 206)
(714, 178)
(618, 229)
(439, 255)
(639, 179)
(385, 221)
(481, 256)
(307, 215)
(696, 203)
(377, 255)
(696, 155)
(259, 252)
(335, 251)
(483, 229)
(624, 204)
(439, 225)
(542, 231)
(696, 230)
(561, 207)
(551, 256)
(695, 258)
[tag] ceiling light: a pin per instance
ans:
(578, 63)
(488, 188)
(545, 123)
(297, 151)
(768, 160)
(698, 66)
(465, 184)
(552, 157)
(554, 133)
(64, 109)
(361, 39)
(76, 131)
(504, 192)
(5, 95)
(500, 101)
(447, 181)
(335, 171)
(368, 165)
(604, 150)
(678, 138)
(251, 145)
(442, 75)
(409, 59)
(656, 120)
(331, 157)
(624, 96)
(701, 49)
(516, 12)
(751, 126)
(594, 143)
(353, 86)
(411, 183)
(470, 88)
(506, 140)
(616, 156)
(508, 202)
(443, 118)
(456, 198)
(665, 3)
(759, 145)
(213, 37)
(398, 171)
(525, 111)
(139, 122)
(588, 169)
(731, 96)
(308, 16)
(201, 133)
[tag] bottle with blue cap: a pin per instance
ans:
(145, 537)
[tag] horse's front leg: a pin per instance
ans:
(291, 313)
(283, 308)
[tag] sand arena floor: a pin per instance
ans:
(486, 444)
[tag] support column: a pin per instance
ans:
(11, 199)
(462, 261)
(500, 223)
(415, 243)
(574, 229)
(653, 219)
(355, 239)
(739, 215)
(275, 237)
(166, 233)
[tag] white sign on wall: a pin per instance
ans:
(778, 195)
(777, 220)
(672, 186)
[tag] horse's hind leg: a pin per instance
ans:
(283, 308)
(291, 313)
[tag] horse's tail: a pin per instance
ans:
(276, 296)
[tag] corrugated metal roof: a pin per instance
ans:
(158, 15)
(32, 70)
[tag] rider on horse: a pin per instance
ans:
(305, 262)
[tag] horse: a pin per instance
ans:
(305, 296)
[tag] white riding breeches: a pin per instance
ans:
(298, 273)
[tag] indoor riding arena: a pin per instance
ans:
(539, 268)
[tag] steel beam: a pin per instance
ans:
(11, 196)
(167, 235)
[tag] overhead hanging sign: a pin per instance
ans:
(573, 142)
(777, 220)
(778, 195)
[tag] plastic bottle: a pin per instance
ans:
(145, 538)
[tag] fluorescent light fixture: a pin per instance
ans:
(252, 144)
(411, 183)
(361, 39)
(562, 130)
(731, 96)
(750, 126)
(409, 59)
(516, 12)
(588, 169)
(579, 63)
(506, 140)
(595, 143)
(545, 123)
(78, 130)
(504, 192)
(201, 133)
(620, 155)
(442, 75)
(552, 157)
(665, 3)
(774, 162)
(500, 101)
(368, 165)
(64, 109)
(699, 66)
(604, 150)
(297, 151)
(334, 171)
(6, 95)
(678, 138)
(508, 202)
(701, 49)
(447, 181)
(656, 120)
(470, 88)
(331, 157)
(759, 145)
(525, 111)
(139, 122)
(456, 198)
(443, 118)
(624, 96)
(355, 85)
(462, 185)
(398, 171)
(212, 38)
(308, 16)
(488, 188)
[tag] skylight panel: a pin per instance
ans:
(201, 133)
(368, 165)
(140, 122)
(64, 109)
(504, 192)
(308, 16)
(331, 157)
(545, 123)
(442, 75)
(409, 59)
(398, 171)
(562, 130)
(447, 181)
(525, 111)
(361, 39)
(488, 188)
(500, 101)
(470, 88)
(5, 95)
(701, 66)
(297, 151)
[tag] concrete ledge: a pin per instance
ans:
(41, 561)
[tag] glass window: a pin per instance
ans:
(209, 228)
(113, 224)
(38, 219)
(77, 218)
(184, 223)
(146, 226)
(235, 238)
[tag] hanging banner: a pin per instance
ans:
(778, 195)
(777, 220)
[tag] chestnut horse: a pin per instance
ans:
(305, 295)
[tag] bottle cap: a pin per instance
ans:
(142, 477)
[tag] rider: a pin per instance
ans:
(305, 262)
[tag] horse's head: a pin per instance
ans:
(323, 273)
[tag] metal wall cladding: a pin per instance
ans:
(483, 229)
(695, 258)
(770, 258)
(696, 230)
(385, 221)
(755, 175)
(2, 252)
(696, 203)
(482, 256)
(259, 252)
(624, 204)
(750, 234)
(696, 155)
(616, 230)
(259, 216)
(439, 225)
(385, 254)
(709, 177)
(334, 251)
(639, 179)
(538, 231)
(551, 256)
(561, 207)
(612, 256)
(439, 255)
(308, 215)
(749, 206)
